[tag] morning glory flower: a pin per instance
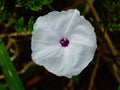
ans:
(63, 42)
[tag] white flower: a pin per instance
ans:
(63, 42)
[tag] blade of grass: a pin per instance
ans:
(119, 87)
(8, 69)
(2, 87)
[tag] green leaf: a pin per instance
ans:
(34, 5)
(75, 79)
(8, 69)
(119, 87)
(30, 24)
(2, 87)
(19, 25)
(10, 22)
(4, 15)
(1, 5)
(24, 29)
(20, 3)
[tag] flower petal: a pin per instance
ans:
(74, 14)
(41, 56)
(46, 48)
(82, 31)
(52, 60)
(43, 37)
(81, 58)
(43, 23)
(57, 23)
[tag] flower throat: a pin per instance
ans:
(64, 42)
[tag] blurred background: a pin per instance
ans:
(19, 72)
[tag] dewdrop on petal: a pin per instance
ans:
(63, 42)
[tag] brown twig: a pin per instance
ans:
(108, 40)
(15, 51)
(94, 72)
(113, 67)
(26, 67)
(70, 85)
(15, 34)
(51, 7)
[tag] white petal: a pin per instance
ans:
(81, 58)
(43, 37)
(52, 60)
(83, 40)
(46, 23)
(47, 51)
(45, 56)
(82, 32)
(74, 15)
(57, 23)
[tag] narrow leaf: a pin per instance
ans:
(119, 87)
(8, 70)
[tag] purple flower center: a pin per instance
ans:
(64, 42)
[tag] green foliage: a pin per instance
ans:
(114, 26)
(19, 25)
(34, 5)
(112, 15)
(30, 24)
(2, 87)
(75, 79)
(8, 70)
(10, 19)
(4, 15)
(119, 87)
(112, 5)
(1, 5)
